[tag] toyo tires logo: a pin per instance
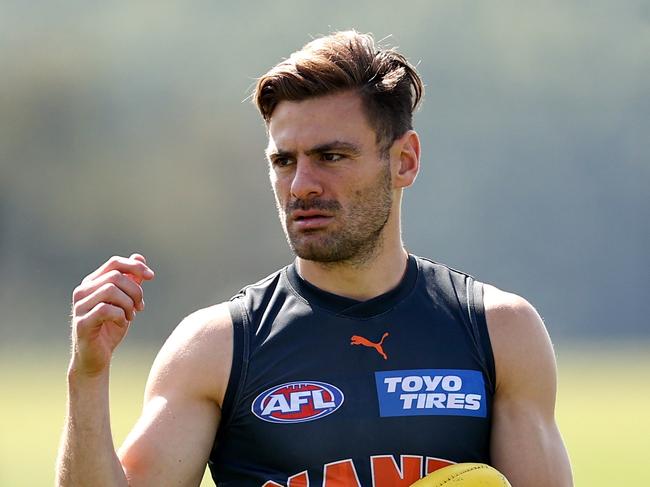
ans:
(297, 402)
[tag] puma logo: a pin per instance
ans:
(359, 340)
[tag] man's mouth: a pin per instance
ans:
(310, 219)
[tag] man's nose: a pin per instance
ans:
(306, 180)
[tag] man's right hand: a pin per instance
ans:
(103, 307)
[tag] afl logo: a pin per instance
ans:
(297, 402)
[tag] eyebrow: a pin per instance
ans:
(334, 145)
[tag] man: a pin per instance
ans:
(359, 364)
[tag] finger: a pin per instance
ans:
(124, 265)
(137, 279)
(139, 257)
(100, 314)
(107, 293)
(122, 281)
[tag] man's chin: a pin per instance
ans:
(323, 254)
(315, 253)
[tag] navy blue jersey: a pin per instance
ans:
(326, 390)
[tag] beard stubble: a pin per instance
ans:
(357, 237)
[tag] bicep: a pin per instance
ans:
(526, 444)
(171, 442)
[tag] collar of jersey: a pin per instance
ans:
(351, 307)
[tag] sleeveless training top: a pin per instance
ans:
(326, 390)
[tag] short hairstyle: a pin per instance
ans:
(389, 86)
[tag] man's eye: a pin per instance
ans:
(331, 157)
(282, 161)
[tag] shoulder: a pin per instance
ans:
(197, 356)
(520, 342)
(505, 310)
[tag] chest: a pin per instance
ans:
(323, 389)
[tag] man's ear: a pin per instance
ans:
(405, 159)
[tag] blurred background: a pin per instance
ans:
(126, 126)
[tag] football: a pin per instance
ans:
(464, 475)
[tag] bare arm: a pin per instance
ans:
(171, 441)
(104, 305)
(526, 443)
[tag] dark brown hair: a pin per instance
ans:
(389, 86)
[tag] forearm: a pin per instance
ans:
(87, 454)
(533, 457)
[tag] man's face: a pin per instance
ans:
(332, 188)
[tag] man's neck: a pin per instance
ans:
(360, 281)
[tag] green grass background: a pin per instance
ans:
(603, 411)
